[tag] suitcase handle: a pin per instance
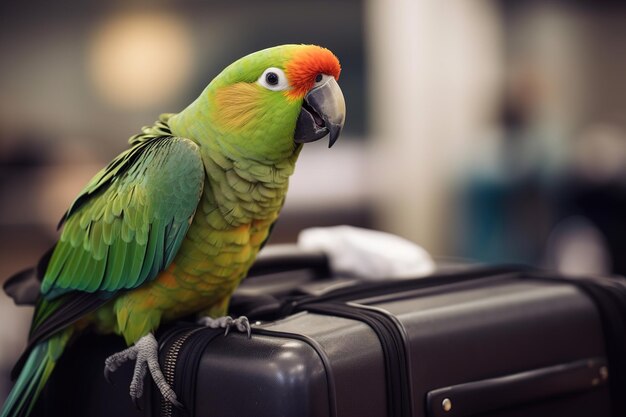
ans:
(283, 268)
(285, 258)
(513, 390)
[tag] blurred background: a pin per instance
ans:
(491, 130)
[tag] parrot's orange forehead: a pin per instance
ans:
(306, 64)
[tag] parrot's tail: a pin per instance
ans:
(35, 373)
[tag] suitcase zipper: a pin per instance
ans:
(366, 290)
(181, 352)
(169, 367)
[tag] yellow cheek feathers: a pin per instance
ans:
(237, 105)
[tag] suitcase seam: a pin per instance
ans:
(319, 350)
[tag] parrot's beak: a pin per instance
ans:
(323, 113)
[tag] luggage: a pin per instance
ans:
(481, 341)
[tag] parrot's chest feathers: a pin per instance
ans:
(245, 190)
(241, 200)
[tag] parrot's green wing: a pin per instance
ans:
(124, 228)
(130, 220)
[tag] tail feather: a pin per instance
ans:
(37, 369)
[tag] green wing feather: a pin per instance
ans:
(129, 221)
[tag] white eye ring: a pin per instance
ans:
(274, 79)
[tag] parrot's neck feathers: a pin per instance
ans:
(243, 189)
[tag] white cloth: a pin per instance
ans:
(368, 254)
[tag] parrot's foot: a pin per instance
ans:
(241, 323)
(146, 355)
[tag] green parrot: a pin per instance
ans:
(171, 226)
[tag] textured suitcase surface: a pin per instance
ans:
(488, 343)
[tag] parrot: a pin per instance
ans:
(171, 225)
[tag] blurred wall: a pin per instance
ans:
(436, 68)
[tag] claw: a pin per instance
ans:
(242, 324)
(177, 404)
(107, 376)
(136, 403)
(145, 353)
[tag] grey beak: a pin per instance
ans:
(323, 113)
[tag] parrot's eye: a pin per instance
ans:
(271, 78)
(318, 78)
(274, 79)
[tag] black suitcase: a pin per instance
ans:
(477, 342)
